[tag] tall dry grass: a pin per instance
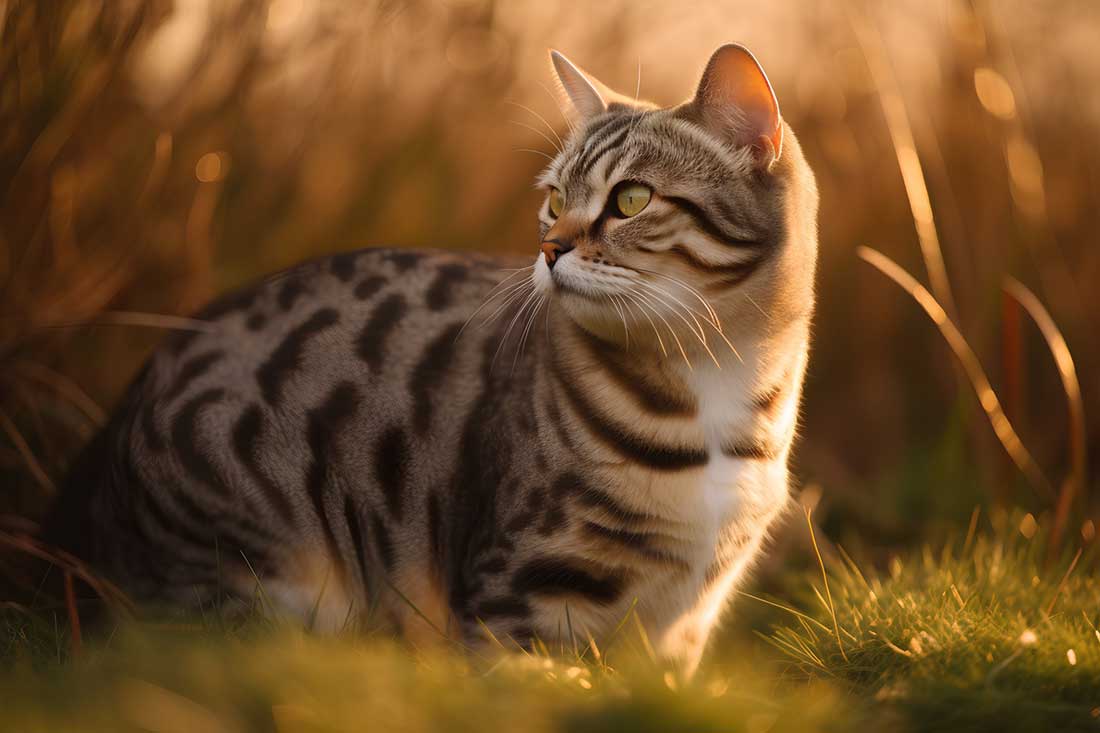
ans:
(153, 154)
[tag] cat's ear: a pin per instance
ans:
(735, 101)
(587, 95)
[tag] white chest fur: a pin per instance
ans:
(728, 495)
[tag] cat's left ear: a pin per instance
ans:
(589, 97)
(735, 101)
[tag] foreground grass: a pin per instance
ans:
(981, 637)
(198, 680)
(987, 634)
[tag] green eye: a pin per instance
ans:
(632, 199)
(557, 202)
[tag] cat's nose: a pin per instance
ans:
(553, 249)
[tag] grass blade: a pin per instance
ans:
(1067, 371)
(969, 360)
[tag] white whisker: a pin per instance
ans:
(757, 306)
(511, 324)
(560, 146)
(622, 317)
(660, 342)
(714, 322)
(676, 305)
(536, 152)
(534, 313)
(538, 132)
(706, 304)
(557, 104)
(716, 326)
(698, 330)
(496, 292)
(645, 299)
(637, 94)
(546, 317)
(516, 294)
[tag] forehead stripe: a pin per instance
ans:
(613, 163)
(600, 131)
(584, 168)
(595, 127)
(594, 142)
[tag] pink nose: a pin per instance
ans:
(553, 249)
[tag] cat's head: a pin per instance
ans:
(658, 220)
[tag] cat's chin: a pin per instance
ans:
(599, 318)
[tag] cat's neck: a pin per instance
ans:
(700, 362)
(734, 405)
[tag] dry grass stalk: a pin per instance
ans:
(34, 467)
(825, 580)
(905, 149)
(76, 640)
(1067, 371)
(72, 566)
(1062, 584)
(970, 363)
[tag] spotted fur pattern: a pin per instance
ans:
(447, 447)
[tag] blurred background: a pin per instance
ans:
(155, 153)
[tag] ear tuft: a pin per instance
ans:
(735, 101)
(582, 92)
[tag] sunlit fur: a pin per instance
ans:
(677, 158)
(724, 337)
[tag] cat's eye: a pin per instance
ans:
(557, 202)
(632, 199)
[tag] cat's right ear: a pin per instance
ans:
(583, 92)
(735, 101)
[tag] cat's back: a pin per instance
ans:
(377, 329)
(367, 313)
(333, 373)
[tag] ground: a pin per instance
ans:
(988, 631)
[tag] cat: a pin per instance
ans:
(451, 448)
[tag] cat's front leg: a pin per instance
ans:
(682, 641)
(681, 646)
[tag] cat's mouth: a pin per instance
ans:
(572, 276)
(564, 286)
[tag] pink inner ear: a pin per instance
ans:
(583, 94)
(735, 94)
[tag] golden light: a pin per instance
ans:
(212, 167)
(282, 15)
(1028, 526)
(994, 93)
(473, 50)
(1025, 170)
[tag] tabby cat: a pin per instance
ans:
(452, 448)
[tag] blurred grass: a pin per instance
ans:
(292, 682)
(976, 634)
(155, 153)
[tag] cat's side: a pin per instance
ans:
(610, 430)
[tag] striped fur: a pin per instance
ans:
(505, 450)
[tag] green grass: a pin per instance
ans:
(982, 634)
(975, 635)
